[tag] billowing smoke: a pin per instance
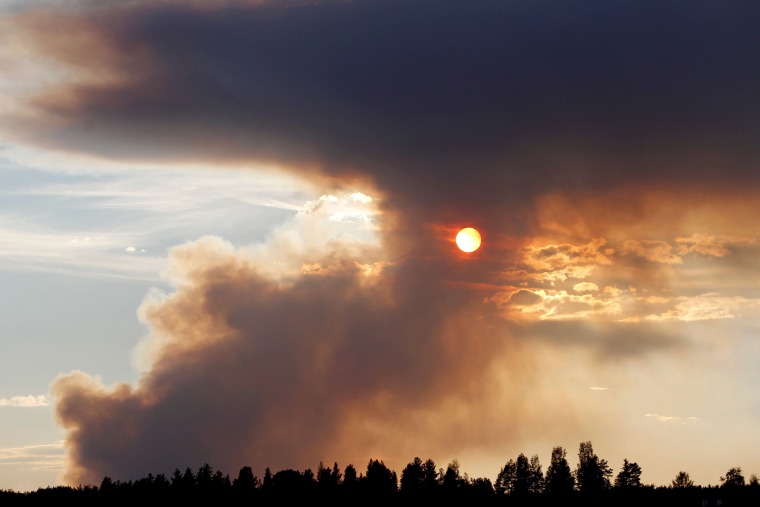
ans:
(513, 117)
(247, 369)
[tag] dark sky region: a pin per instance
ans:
(607, 151)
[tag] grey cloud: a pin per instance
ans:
(477, 103)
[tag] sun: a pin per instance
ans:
(468, 239)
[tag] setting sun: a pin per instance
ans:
(468, 239)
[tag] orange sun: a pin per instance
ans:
(468, 239)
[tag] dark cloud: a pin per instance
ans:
(479, 103)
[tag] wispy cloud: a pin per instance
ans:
(133, 218)
(25, 401)
(77, 253)
(708, 306)
(35, 457)
(673, 419)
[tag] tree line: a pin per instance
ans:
(520, 481)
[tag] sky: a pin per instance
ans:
(228, 235)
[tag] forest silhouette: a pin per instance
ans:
(520, 482)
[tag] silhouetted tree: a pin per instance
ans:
(535, 476)
(162, 482)
(220, 483)
(733, 478)
(682, 481)
(328, 479)
(246, 483)
(559, 478)
(753, 481)
(350, 485)
(176, 478)
(107, 486)
(481, 487)
(183, 482)
(267, 485)
(629, 476)
(349, 475)
(506, 478)
(451, 479)
(517, 478)
(592, 474)
(412, 477)
(292, 484)
(380, 481)
(429, 476)
(204, 476)
(521, 485)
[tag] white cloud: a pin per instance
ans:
(351, 207)
(673, 419)
(25, 401)
(597, 388)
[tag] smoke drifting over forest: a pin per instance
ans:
(606, 151)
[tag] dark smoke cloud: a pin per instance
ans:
(478, 103)
(253, 372)
(456, 112)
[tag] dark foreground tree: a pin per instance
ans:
(412, 478)
(535, 476)
(682, 481)
(592, 474)
(380, 481)
(246, 484)
(559, 478)
(629, 476)
(733, 478)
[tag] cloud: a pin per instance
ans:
(707, 306)
(155, 208)
(74, 253)
(530, 120)
(652, 251)
(35, 457)
(585, 287)
(673, 419)
(25, 401)
(554, 257)
(712, 245)
(339, 354)
(352, 207)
